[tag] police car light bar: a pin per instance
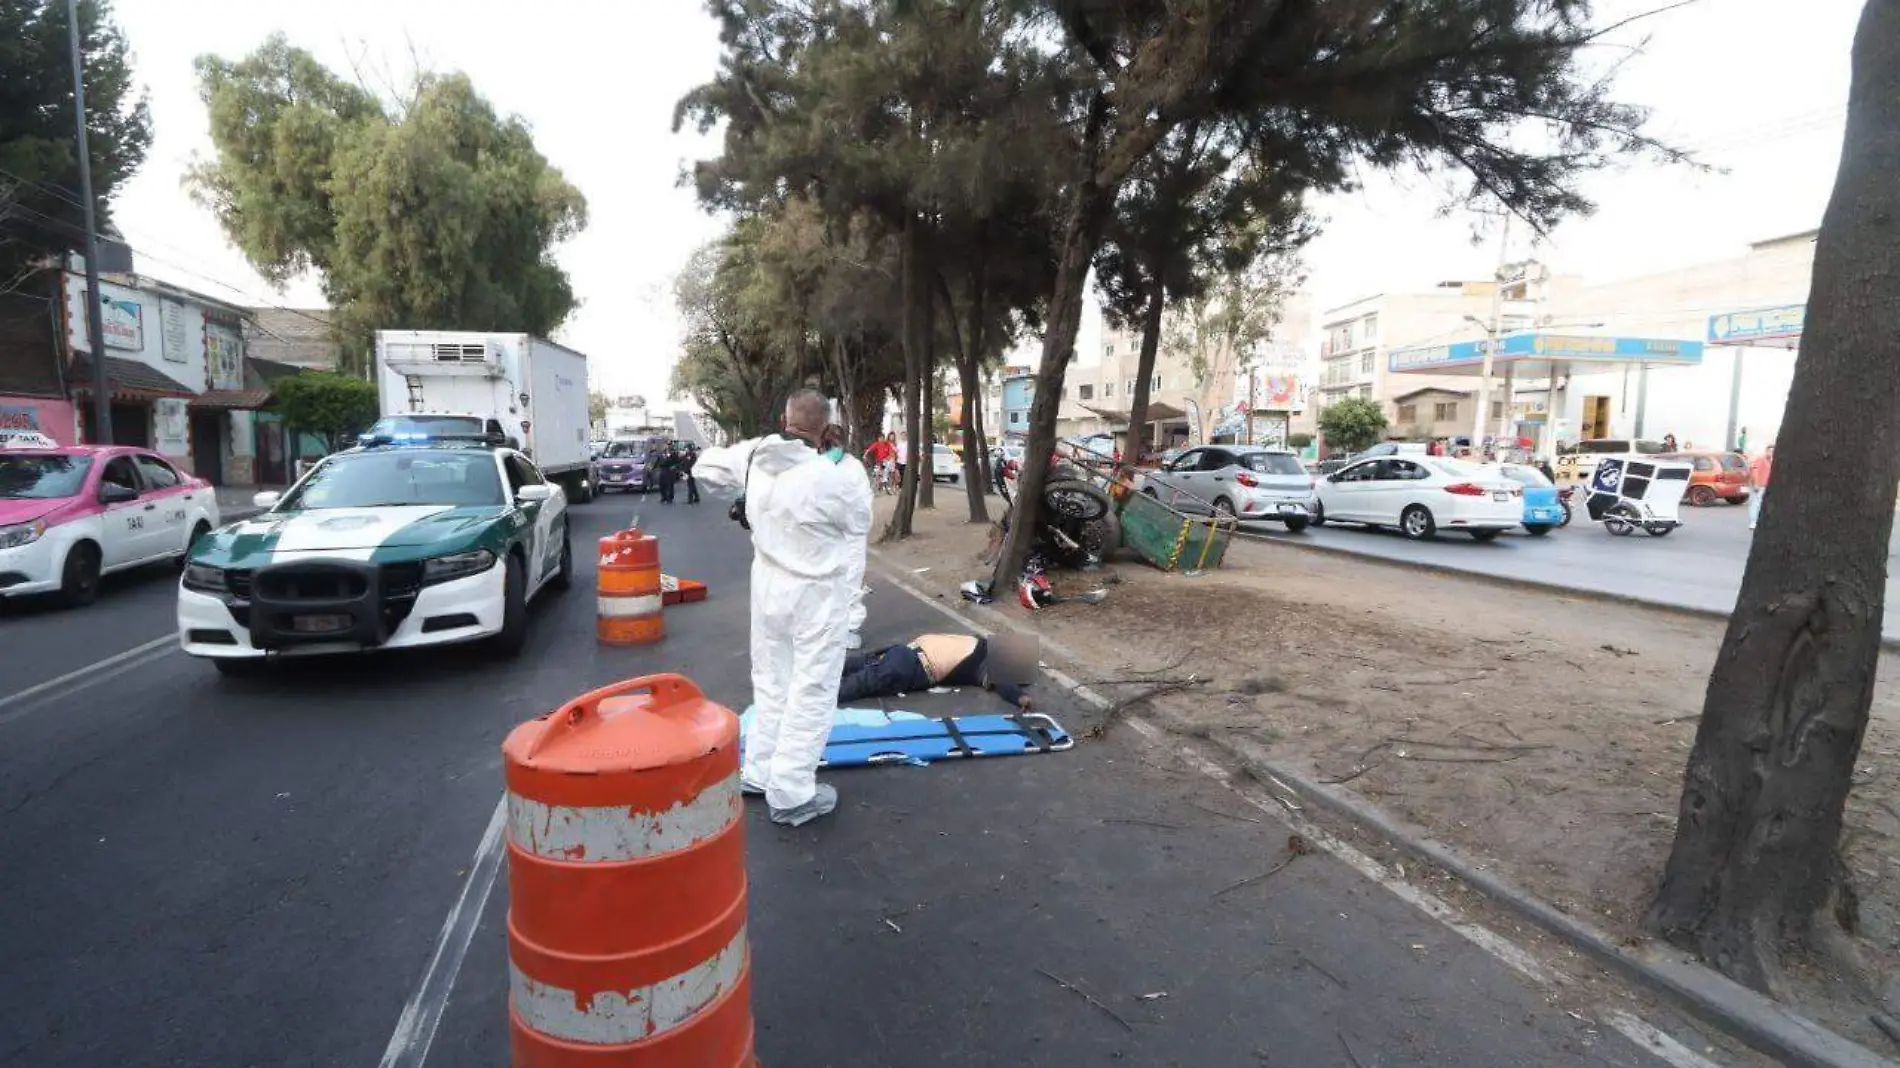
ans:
(411, 437)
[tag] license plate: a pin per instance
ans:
(1500, 496)
(327, 624)
(1288, 509)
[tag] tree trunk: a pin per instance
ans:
(926, 451)
(1756, 865)
(969, 369)
(1145, 367)
(1081, 233)
(867, 414)
(916, 327)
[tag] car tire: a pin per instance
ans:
(563, 579)
(1295, 526)
(79, 576)
(1224, 509)
(513, 636)
(1417, 524)
(1485, 535)
(1149, 491)
(1702, 496)
(197, 534)
(1537, 530)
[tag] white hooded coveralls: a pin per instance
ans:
(811, 519)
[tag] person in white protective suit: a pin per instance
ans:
(810, 516)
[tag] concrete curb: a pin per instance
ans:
(1760, 1022)
(1513, 582)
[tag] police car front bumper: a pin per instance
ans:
(228, 626)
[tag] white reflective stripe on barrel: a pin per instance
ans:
(618, 833)
(617, 1017)
(618, 607)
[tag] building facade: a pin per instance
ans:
(179, 378)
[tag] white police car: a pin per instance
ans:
(386, 546)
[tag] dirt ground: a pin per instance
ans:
(1539, 733)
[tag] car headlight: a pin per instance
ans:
(204, 578)
(21, 534)
(457, 565)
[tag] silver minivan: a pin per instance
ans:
(1246, 482)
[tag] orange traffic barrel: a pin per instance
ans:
(626, 883)
(629, 589)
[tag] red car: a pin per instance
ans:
(1718, 476)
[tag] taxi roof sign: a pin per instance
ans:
(26, 439)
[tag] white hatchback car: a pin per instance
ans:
(1422, 496)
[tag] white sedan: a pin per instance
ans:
(1421, 496)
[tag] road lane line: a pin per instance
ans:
(1656, 1042)
(79, 675)
(415, 1028)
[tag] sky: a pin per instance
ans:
(1756, 88)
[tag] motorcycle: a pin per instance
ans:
(1572, 498)
(1079, 525)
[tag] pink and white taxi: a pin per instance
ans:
(71, 514)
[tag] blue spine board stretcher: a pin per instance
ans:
(868, 736)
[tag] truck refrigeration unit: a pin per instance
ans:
(536, 390)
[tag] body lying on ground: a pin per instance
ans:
(931, 660)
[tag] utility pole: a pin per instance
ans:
(95, 321)
(1491, 341)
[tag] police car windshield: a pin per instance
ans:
(42, 478)
(396, 426)
(396, 477)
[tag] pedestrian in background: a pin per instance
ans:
(669, 471)
(1758, 471)
(810, 518)
(687, 460)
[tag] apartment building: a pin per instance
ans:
(1357, 337)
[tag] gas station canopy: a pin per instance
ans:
(1546, 355)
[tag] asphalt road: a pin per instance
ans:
(204, 871)
(1698, 566)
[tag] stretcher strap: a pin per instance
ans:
(1034, 733)
(956, 735)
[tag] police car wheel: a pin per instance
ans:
(513, 636)
(564, 577)
(79, 578)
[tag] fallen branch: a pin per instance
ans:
(1360, 770)
(1505, 759)
(1145, 823)
(1678, 719)
(1400, 739)
(1445, 682)
(1313, 964)
(1350, 1055)
(1086, 996)
(1116, 710)
(1295, 847)
(1229, 815)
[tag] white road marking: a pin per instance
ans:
(1503, 949)
(1655, 1041)
(88, 676)
(415, 1028)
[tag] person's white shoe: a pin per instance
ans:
(822, 802)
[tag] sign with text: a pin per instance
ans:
(224, 356)
(173, 331)
(1758, 326)
(124, 323)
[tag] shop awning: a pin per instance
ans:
(232, 399)
(127, 379)
(1157, 413)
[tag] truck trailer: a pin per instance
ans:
(536, 390)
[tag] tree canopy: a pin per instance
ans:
(39, 166)
(332, 406)
(433, 212)
(1352, 424)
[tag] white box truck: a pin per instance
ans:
(536, 390)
